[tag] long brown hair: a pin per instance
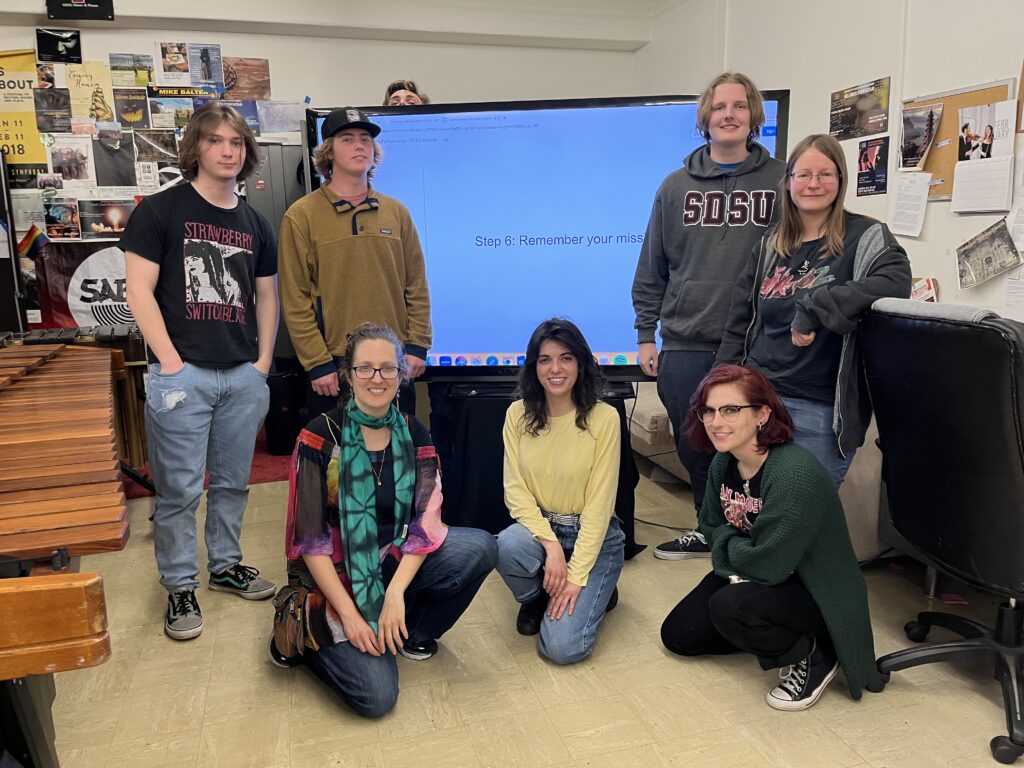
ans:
(203, 122)
(788, 235)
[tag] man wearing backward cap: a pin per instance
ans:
(348, 255)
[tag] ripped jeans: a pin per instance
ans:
(199, 419)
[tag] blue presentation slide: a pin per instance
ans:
(530, 213)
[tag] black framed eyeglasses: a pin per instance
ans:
(729, 413)
(387, 372)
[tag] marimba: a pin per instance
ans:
(60, 498)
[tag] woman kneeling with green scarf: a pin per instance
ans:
(364, 534)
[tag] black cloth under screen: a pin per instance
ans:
(474, 493)
(209, 260)
(806, 372)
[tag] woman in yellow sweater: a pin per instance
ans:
(563, 555)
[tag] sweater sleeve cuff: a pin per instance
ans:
(416, 351)
(804, 323)
(322, 370)
(645, 336)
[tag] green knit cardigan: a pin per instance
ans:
(800, 529)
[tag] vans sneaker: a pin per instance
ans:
(243, 581)
(688, 545)
(184, 620)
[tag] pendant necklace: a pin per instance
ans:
(378, 473)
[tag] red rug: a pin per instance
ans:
(265, 469)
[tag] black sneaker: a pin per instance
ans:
(243, 581)
(184, 620)
(531, 614)
(805, 681)
(688, 545)
(278, 659)
(417, 650)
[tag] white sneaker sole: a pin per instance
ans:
(663, 555)
(796, 706)
(261, 595)
(183, 634)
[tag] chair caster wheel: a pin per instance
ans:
(916, 631)
(1005, 750)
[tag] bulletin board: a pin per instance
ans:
(941, 160)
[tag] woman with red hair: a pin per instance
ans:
(785, 584)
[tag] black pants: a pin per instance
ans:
(679, 373)
(778, 624)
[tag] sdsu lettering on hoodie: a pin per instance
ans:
(703, 226)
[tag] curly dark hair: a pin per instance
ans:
(589, 380)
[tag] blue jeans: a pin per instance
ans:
(813, 422)
(679, 373)
(201, 419)
(438, 595)
(521, 564)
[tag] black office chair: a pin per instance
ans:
(947, 386)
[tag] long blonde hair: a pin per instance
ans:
(788, 235)
(705, 105)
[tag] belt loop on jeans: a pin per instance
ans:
(573, 521)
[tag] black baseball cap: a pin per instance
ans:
(348, 117)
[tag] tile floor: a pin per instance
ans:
(487, 699)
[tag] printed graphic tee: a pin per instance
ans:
(209, 260)
(739, 507)
(805, 372)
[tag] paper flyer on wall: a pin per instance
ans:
(862, 110)
(61, 215)
(909, 202)
(92, 95)
(72, 158)
(104, 218)
(246, 78)
(986, 130)
(156, 147)
(53, 110)
(131, 107)
(873, 166)
(130, 70)
(919, 127)
(205, 65)
(983, 176)
(25, 155)
(245, 107)
(281, 116)
(172, 64)
(46, 76)
(172, 106)
(986, 255)
(64, 45)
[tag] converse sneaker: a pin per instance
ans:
(417, 650)
(184, 619)
(804, 682)
(278, 659)
(243, 581)
(531, 614)
(688, 545)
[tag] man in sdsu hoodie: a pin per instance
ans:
(707, 216)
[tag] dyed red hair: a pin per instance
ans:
(758, 391)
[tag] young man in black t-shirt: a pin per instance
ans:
(200, 268)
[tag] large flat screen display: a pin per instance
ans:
(527, 210)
